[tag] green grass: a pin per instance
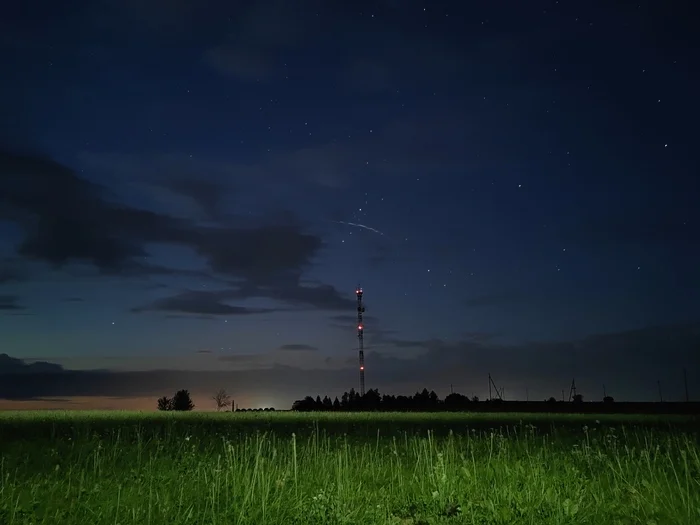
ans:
(406, 469)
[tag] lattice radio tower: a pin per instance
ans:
(361, 338)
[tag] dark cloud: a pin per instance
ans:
(197, 302)
(13, 366)
(214, 302)
(291, 383)
(623, 359)
(628, 363)
(206, 194)
(299, 347)
(261, 255)
(323, 297)
(67, 219)
(190, 316)
(10, 302)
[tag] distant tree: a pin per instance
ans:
(165, 403)
(608, 399)
(372, 400)
(455, 401)
(578, 398)
(222, 399)
(353, 398)
(475, 399)
(182, 401)
(304, 405)
(552, 400)
(327, 403)
(336, 404)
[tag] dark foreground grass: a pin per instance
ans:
(405, 469)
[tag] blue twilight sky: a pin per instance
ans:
(190, 192)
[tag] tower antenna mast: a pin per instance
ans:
(572, 390)
(361, 338)
(499, 393)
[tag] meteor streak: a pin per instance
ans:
(357, 225)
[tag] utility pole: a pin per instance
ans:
(604, 393)
(527, 395)
(451, 391)
(685, 382)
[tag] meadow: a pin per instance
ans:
(126, 468)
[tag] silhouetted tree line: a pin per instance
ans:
(181, 401)
(423, 401)
(428, 401)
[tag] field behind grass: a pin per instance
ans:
(326, 468)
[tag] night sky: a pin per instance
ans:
(190, 192)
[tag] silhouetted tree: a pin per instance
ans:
(336, 404)
(455, 401)
(578, 398)
(182, 401)
(352, 399)
(304, 405)
(222, 399)
(552, 400)
(165, 403)
(372, 400)
(433, 398)
(608, 399)
(327, 403)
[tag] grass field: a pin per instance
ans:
(122, 468)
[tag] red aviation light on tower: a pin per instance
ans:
(360, 338)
